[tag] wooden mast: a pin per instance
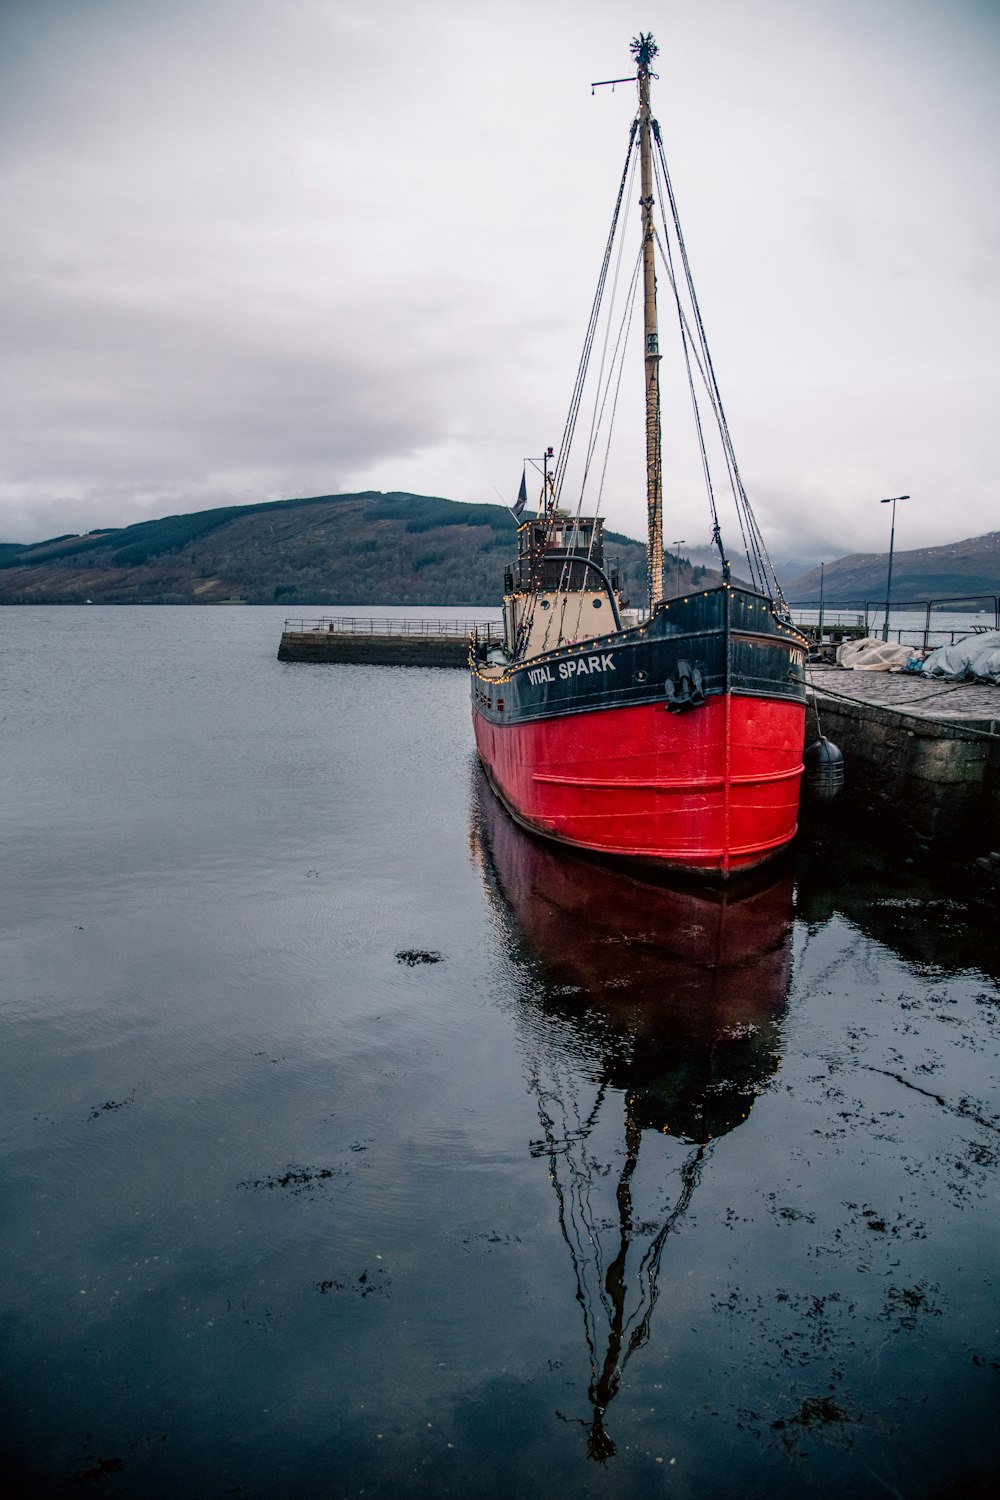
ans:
(644, 49)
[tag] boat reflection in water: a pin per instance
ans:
(648, 1011)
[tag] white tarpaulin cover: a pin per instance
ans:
(870, 655)
(976, 658)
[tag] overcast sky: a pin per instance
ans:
(256, 249)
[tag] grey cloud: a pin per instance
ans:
(256, 249)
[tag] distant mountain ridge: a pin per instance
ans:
(961, 568)
(364, 548)
(398, 548)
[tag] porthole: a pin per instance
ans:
(598, 603)
(544, 603)
(640, 677)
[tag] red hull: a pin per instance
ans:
(713, 791)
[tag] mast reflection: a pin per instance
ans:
(649, 1010)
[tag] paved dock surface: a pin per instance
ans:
(975, 704)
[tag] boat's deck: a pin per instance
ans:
(493, 671)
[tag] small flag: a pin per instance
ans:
(522, 496)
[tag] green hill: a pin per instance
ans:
(368, 548)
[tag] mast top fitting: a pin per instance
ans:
(644, 49)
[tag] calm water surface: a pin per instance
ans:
(354, 1143)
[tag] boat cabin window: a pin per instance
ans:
(545, 550)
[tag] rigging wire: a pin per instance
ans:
(685, 341)
(570, 425)
(575, 1214)
(744, 507)
(631, 163)
(598, 408)
(602, 394)
(601, 397)
(699, 349)
(649, 1269)
(569, 428)
(694, 344)
(621, 368)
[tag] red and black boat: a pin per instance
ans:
(671, 737)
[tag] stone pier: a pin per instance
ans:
(922, 756)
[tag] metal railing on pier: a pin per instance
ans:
(361, 625)
(865, 614)
(850, 617)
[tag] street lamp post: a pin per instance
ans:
(679, 543)
(892, 540)
(819, 628)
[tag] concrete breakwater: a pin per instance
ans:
(385, 642)
(922, 755)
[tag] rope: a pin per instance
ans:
(810, 682)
